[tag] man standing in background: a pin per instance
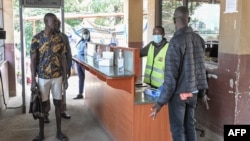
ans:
(68, 65)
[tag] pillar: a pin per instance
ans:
(152, 12)
(133, 19)
(9, 45)
(234, 57)
(230, 90)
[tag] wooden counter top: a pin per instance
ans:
(122, 109)
(108, 74)
(112, 73)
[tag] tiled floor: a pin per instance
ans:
(16, 126)
(82, 126)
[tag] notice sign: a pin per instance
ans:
(231, 6)
(42, 3)
(237, 132)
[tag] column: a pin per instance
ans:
(133, 18)
(9, 45)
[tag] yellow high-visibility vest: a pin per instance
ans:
(154, 71)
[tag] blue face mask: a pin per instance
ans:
(85, 36)
(157, 38)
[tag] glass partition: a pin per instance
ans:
(168, 7)
(205, 17)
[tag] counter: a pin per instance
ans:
(111, 72)
(122, 110)
(211, 68)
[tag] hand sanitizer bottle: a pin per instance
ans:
(107, 48)
(98, 55)
(120, 62)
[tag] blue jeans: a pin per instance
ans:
(181, 115)
(81, 75)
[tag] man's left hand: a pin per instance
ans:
(65, 84)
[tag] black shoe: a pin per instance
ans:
(38, 138)
(78, 97)
(65, 115)
(61, 137)
(46, 119)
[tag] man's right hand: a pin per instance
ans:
(156, 108)
(68, 74)
(33, 85)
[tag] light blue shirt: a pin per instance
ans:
(81, 47)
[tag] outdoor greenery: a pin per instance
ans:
(106, 6)
(85, 7)
(70, 7)
(168, 7)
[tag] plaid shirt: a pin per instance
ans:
(49, 64)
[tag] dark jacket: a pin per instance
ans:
(185, 65)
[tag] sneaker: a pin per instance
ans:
(38, 138)
(61, 136)
(46, 119)
(65, 115)
(79, 96)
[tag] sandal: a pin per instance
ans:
(61, 137)
(38, 138)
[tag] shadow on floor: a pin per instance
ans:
(16, 126)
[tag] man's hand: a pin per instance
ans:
(68, 74)
(65, 84)
(185, 96)
(33, 86)
(156, 108)
(204, 101)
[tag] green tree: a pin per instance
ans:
(168, 7)
(75, 6)
(106, 6)
(70, 7)
(167, 15)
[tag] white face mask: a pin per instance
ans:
(157, 38)
(85, 36)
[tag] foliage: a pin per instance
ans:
(70, 6)
(168, 7)
(75, 6)
(91, 7)
(99, 6)
(167, 15)
(106, 6)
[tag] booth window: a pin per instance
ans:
(168, 7)
(205, 17)
(205, 20)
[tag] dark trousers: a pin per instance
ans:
(181, 114)
(81, 75)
